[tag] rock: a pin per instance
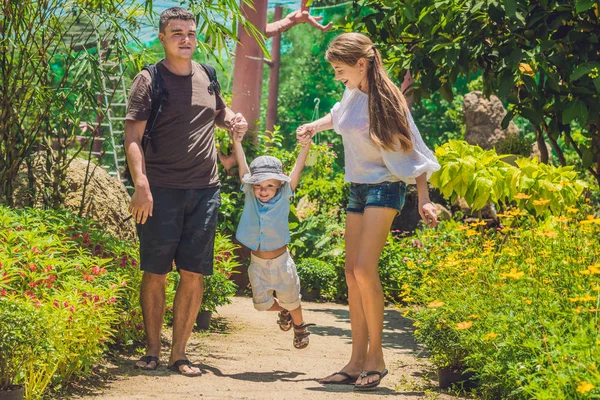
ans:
(409, 218)
(483, 120)
(443, 213)
(488, 211)
(106, 199)
(535, 151)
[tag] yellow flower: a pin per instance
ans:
(540, 202)
(572, 210)
(513, 274)
(588, 297)
(526, 69)
(435, 304)
(472, 232)
(584, 387)
(490, 336)
(522, 196)
(527, 301)
(464, 325)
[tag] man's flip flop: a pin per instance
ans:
(179, 363)
(348, 379)
(148, 360)
(371, 385)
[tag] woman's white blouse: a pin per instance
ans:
(365, 161)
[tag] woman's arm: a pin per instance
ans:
(426, 208)
(309, 130)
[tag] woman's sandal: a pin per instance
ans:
(285, 320)
(301, 335)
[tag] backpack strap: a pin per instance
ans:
(214, 87)
(157, 94)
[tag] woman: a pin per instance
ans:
(384, 151)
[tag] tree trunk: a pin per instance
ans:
(539, 136)
(407, 90)
(247, 73)
(274, 75)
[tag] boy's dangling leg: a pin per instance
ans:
(300, 332)
(285, 319)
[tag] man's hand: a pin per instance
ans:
(141, 204)
(238, 127)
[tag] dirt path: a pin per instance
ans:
(250, 358)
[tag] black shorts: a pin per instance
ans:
(181, 229)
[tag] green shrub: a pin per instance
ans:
(85, 283)
(21, 339)
(514, 144)
(318, 275)
(481, 176)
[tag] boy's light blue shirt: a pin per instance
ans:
(265, 224)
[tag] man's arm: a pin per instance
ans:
(300, 163)
(141, 202)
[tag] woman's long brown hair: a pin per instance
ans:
(388, 112)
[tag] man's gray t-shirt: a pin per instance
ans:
(183, 135)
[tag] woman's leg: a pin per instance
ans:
(373, 234)
(358, 323)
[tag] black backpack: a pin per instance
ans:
(159, 97)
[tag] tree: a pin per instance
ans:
(540, 57)
(53, 56)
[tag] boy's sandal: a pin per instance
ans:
(285, 320)
(148, 360)
(179, 363)
(301, 335)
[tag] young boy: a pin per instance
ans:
(264, 229)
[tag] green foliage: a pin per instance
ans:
(319, 275)
(481, 176)
(540, 57)
(18, 343)
(517, 306)
(82, 283)
(218, 288)
(514, 144)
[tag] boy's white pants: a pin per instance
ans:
(279, 275)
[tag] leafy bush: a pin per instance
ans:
(83, 281)
(21, 339)
(318, 275)
(514, 144)
(481, 176)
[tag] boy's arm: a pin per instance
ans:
(300, 163)
(240, 156)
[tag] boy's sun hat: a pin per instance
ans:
(264, 168)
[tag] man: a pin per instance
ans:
(176, 198)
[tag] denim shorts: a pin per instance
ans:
(383, 195)
(181, 229)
